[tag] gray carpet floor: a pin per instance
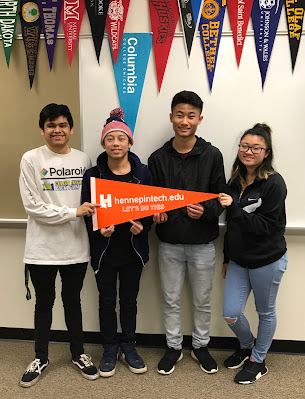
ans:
(285, 379)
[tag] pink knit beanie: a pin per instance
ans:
(116, 122)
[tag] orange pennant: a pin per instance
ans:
(119, 202)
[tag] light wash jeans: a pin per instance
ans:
(199, 260)
(264, 281)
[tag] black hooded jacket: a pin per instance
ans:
(256, 222)
(99, 243)
(202, 170)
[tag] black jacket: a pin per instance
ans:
(202, 170)
(256, 222)
(99, 243)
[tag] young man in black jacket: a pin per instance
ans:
(187, 162)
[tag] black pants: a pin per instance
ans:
(43, 279)
(129, 281)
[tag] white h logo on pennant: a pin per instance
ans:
(105, 203)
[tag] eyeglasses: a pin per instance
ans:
(255, 149)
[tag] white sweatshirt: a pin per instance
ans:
(50, 187)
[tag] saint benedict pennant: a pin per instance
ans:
(97, 13)
(50, 15)
(210, 28)
(239, 12)
(72, 13)
(164, 15)
(188, 23)
(115, 22)
(265, 19)
(30, 28)
(294, 16)
(8, 18)
(119, 202)
(130, 71)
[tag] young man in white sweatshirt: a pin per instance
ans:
(56, 239)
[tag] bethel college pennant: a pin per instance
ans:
(31, 28)
(265, 19)
(294, 16)
(164, 15)
(115, 22)
(210, 27)
(188, 23)
(130, 71)
(97, 13)
(72, 13)
(120, 202)
(8, 17)
(239, 11)
(50, 15)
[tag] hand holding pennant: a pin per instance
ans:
(121, 202)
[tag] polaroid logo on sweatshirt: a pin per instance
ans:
(44, 172)
(64, 172)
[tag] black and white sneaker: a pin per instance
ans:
(238, 358)
(251, 372)
(87, 368)
(167, 363)
(32, 373)
(207, 363)
(130, 355)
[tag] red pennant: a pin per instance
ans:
(239, 11)
(72, 13)
(164, 15)
(115, 22)
(121, 202)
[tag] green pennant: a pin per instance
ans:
(8, 18)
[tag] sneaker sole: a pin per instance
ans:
(107, 373)
(28, 384)
(163, 372)
(238, 366)
(202, 368)
(132, 369)
(259, 375)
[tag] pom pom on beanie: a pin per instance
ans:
(116, 122)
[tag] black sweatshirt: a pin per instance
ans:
(256, 222)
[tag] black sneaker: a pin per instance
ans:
(238, 358)
(251, 372)
(32, 373)
(87, 368)
(108, 362)
(207, 363)
(168, 361)
(132, 358)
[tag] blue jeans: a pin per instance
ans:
(264, 281)
(199, 260)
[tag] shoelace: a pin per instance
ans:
(86, 359)
(34, 367)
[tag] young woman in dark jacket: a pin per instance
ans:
(255, 249)
(118, 251)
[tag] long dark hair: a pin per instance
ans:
(265, 169)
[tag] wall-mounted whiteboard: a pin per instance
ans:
(236, 103)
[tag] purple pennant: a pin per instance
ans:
(50, 16)
(265, 18)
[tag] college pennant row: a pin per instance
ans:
(72, 13)
(239, 12)
(50, 15)
(164, 15)
(115, 22)
(265, 19)
(130, 71)
(121, 202)
(210, 28)
(97, 13)
(8, 18)
(188, 23)
(294, 17)
(30, 28)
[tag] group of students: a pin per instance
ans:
(55, 189)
